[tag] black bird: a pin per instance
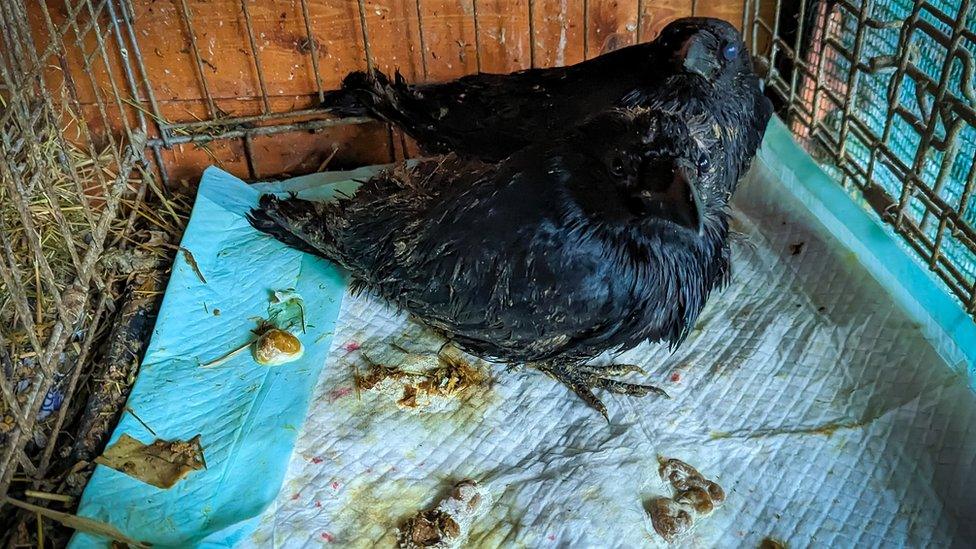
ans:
(701, 64)
(613, 234)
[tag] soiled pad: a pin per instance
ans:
(807, 392)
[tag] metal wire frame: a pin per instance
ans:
(797, 69)
(30, 121)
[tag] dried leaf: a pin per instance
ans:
(161, 464)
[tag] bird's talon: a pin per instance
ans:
(624, 388)
(591, 400)
(659, 391)
(583, 379)
(616, 370)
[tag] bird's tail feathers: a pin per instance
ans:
(295, 222)
(367, 94)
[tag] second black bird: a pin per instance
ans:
(612, 235)
(698, 66)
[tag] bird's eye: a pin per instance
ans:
(617, 166)
(703, 163)
(730, 52)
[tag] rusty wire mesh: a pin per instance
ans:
(881, 93)
(62, 188)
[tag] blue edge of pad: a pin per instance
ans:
(944, 321)
(249, 416)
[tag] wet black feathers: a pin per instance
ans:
(582, 209)
(549, 255)
(490, 116)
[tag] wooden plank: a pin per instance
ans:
(284, 48)
(230, 64)
(296, 153)
(163, 31)
(558, 26)
(657, 15)
(190, 110)
(447, 27)
(611, 24)
(729, 10)
(394, 36)
(185, 163)
(503, 35)
(279, 155)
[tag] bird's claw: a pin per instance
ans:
(614, 369)
(583, 379)
(624, 388)
(513, 367)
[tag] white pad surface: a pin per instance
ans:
(805, 392)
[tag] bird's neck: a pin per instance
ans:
(676, 276)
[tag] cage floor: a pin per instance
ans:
(806, 392)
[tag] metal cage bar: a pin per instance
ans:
(826, 77)
(47, 320)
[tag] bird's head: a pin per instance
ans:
(671, 196)
(706, 47)
(658, 171)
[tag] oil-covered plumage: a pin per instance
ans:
(611, 235)
(699, 65)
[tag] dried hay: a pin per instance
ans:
(58, 182)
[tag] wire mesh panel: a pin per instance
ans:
(63, 181)
(882, 93)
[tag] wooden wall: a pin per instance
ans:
(428, 40)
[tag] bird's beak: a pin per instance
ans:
(696, 57)
(680, 203)
(698, 222)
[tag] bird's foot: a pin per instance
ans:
(617, 369)
(583, 379)
(513, 367)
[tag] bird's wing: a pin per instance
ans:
(359, 231)
(490, 116)
(474, 250)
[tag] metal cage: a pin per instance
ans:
(62, 194)
(880, 91)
